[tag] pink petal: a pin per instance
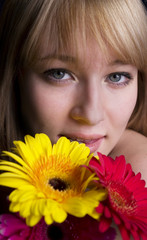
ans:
(17, 237)
(127, 224)
(135, 235)
(2, 237)
(116, 219)
(135, 182)
(143, 236)
(119, 168)
(140, 194)
(104, 224)
(124, 233)
(129, 173)
(100, 208)
(10, 224)
(107, 212)
(94, 164)
(108, 165)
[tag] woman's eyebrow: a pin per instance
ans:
(118, 62)
(64, 58)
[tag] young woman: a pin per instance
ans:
(76, 69)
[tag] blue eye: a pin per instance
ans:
(58, 75)
(115, 77)
(119, 78)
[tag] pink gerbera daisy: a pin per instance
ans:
(127, 197)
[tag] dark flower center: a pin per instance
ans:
(54, 233)
(58, 184)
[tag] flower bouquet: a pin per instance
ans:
(62, 192)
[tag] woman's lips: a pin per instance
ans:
(93, 142)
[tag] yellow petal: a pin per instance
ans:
(28, 187)
(42, 206)
(95, 195)
(80, 206)
(35, 210)
(32, 220)
(50, 204)
(45, 142)
(11, 180)
(75, 207)
(25, 152)
(59, 214)
(25, 209)
(26, 196)
(15, 195)
(40, 145)
(88, 180)
(38, 206)
(14, 207)
(79, 154)
(32, 146)
(16, 158)
(73, 145)
(40, 195)
(94, 214)
(61, 147)
(14, 170)
(48, 219)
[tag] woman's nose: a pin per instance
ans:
(88, 107)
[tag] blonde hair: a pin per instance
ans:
(116, 24)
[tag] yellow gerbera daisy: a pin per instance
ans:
(49, 180)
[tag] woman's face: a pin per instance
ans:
(87, 99)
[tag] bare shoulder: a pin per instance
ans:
(134, 146)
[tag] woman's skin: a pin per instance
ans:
(88, 99)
